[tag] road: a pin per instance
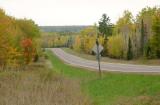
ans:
(81, 62)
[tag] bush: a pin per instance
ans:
(116, 46)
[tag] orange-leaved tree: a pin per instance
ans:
(28, 49)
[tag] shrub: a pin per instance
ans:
(115, 46)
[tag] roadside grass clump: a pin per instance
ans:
(114, 88)
(39, 85)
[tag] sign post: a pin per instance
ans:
(98, 57)
(98, 49)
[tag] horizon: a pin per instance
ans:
(64, 25)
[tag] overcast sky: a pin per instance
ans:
(72, 12)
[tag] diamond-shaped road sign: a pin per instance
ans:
(95, 48)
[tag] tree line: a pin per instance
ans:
(19, 41)
(62, 28)
(129, 38)
(57, 39)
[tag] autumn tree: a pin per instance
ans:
(124, 24)
(155, 40)
(30, 32)
(12, 32)
(86, 39)
(116, 46)
(142, 37)
(126, 28)
(7, 35)
(27, 45)
(145, 20)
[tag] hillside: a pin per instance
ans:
(62, 28)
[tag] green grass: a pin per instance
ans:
(112, 86)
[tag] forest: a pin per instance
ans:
(129, 38)
(75, 28)
(19, 41)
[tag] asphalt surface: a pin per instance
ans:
(81, 62)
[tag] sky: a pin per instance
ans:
(72, 12)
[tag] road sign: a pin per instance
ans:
(95, 48)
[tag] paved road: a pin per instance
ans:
(77, 61)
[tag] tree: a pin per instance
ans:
(155, 40)
(8, 50)
(105, 26)
(106, 30)
(145, 18)
(142, 37)
(115, 46)
(88, 39)
(124, 24)
(29, 28)
(28, 49)
(12, 32)
(126, 28)
(129, 52)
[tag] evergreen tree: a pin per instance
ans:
(105, 26)
(129, 52)
(106, 30)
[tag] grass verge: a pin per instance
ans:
(113, 88)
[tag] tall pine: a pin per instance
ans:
(106, 30)
(129, 52)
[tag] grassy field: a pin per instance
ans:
(112, 88)
(39, 85)
(106, 59)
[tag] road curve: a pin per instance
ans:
(77, 61)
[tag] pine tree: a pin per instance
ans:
(106, 30)
(129, 52)
(105, 26)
